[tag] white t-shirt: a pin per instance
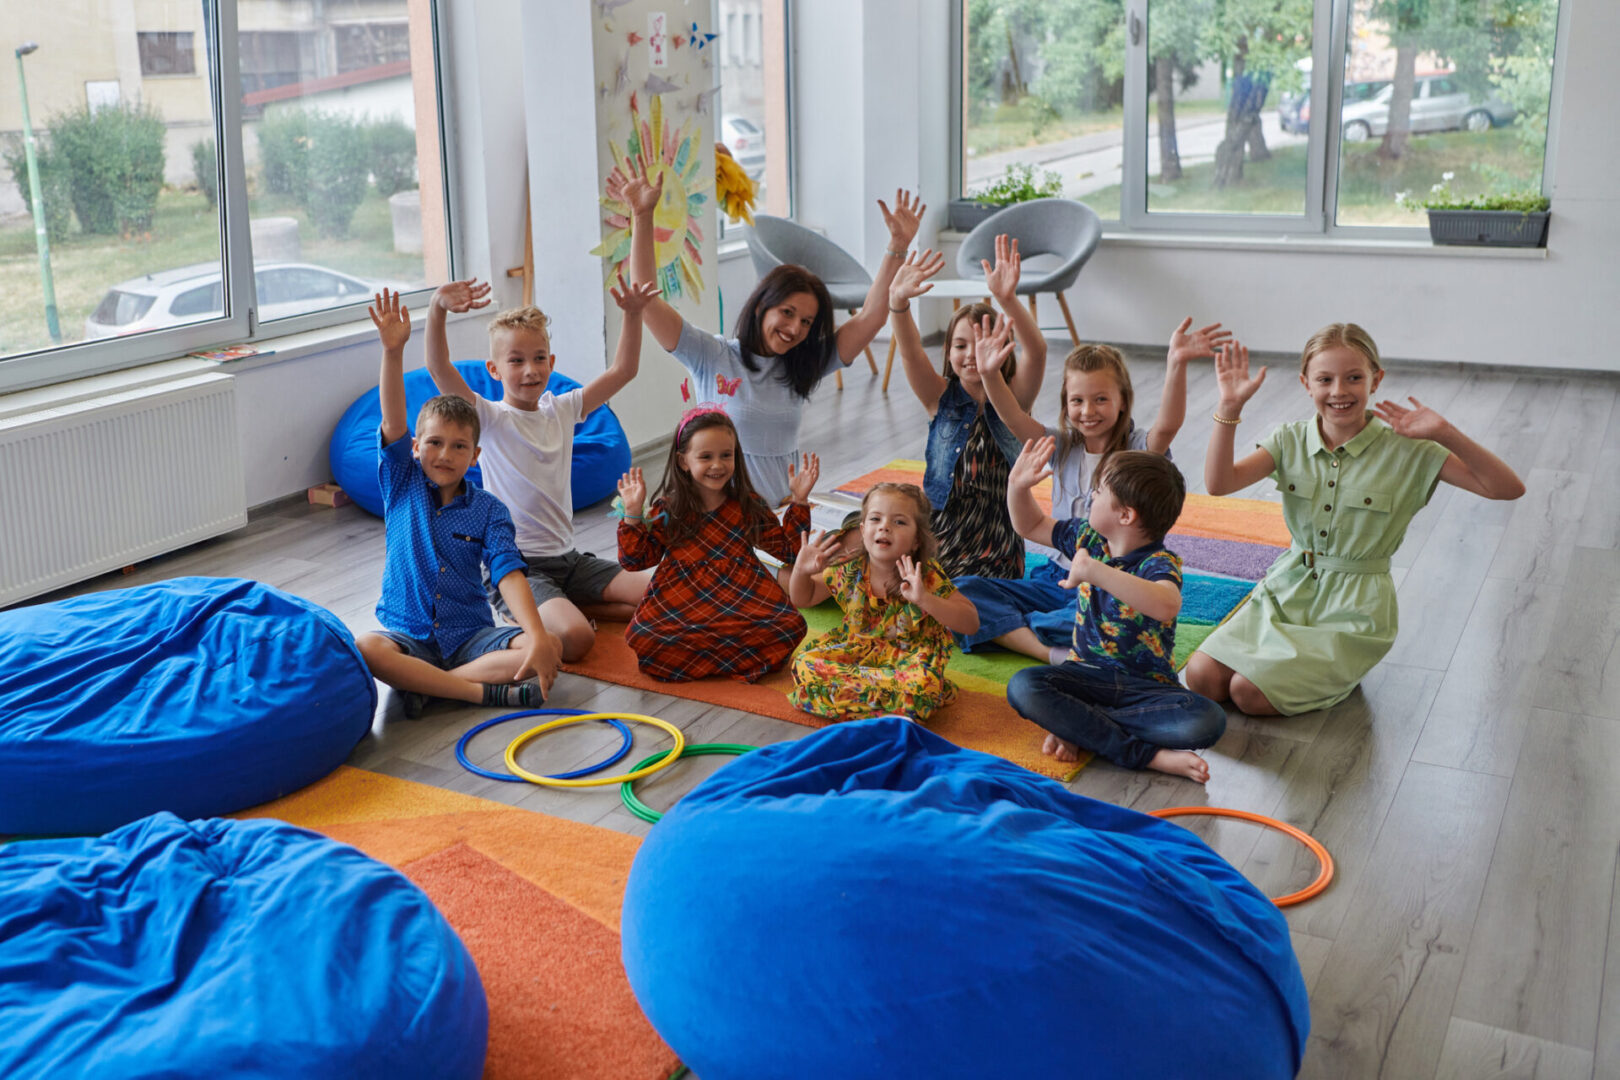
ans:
(1071, 480)
(527, 460)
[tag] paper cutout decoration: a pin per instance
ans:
(635, 38)
(700, 39)
(621, 79)
(605, 7)
(657, 40)
(657, 84)
(678, 156)
(702, 104)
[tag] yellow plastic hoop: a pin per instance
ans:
(593, 781)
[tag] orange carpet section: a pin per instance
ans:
(560, 1005)
(536, 900)
(976, 720)
(1216, 517)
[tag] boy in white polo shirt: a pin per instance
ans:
(528, 450)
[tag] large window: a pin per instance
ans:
(752, 119)
(273, 164)
(1281, 115)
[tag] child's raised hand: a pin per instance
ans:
(1002, 278)
(391, 318)
(802, 478)
(634, 190)
(904, 220)
(911, 579)
(1232, 377)
(633, 490)
(1201, 342)
(1079, 568)
(459, 296)
(1034, 463)
(816, 553)
(992, 344)
(1418, 422)
(911, 280)
(633, 299)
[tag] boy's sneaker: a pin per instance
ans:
(523, 695)
(413, 703)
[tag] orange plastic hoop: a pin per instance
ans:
(1321, 853)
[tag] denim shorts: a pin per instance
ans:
(577, 576)
(489, 639)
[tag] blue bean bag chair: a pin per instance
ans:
(202, 696)
(601, 448)
(219, 948)
(873, 901)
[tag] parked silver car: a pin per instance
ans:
(194, 293)
(1439, 103)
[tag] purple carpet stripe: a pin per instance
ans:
(1237, 558)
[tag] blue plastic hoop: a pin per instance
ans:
(461, 746)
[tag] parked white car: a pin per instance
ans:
(1438, 104)
(194, 293)
(746, 141)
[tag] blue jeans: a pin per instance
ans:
(1122, 717)
(1036, 600)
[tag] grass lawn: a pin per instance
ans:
(1367, 185)
(1009, 127)
(184, 231)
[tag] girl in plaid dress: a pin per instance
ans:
(712, 608)
(889, 654)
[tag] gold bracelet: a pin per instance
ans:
(1219, 419)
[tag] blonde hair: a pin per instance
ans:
(923, 511)
(1340, 335)
(1088, 360)
(973, 312)
(527, 317)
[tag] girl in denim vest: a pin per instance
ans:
(970, 447)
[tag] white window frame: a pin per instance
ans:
(1330, 24)
(240, 321)
(733, 235)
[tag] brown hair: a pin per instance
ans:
(527, 317)
(452, 410)
(1341, 334)
(974, 312)
(683, 503)
(801, 367)
(922, 510)
(1087, 360)
(1148, 483)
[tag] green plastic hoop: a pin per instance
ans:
(642, 810)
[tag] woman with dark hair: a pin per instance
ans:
(785, 342)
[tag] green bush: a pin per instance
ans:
(53, 183)
(1018, 185)
(204, 164)
(284, 152)
(114, 158)
(393, 155)
(338, 171)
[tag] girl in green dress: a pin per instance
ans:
(1351, 480)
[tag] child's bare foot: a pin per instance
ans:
(1063, 751)
(1181, 763)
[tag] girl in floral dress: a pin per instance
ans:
(711, 608)
(889, 653)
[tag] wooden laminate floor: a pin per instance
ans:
(1467, 790)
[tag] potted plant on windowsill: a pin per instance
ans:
(1513, 219)
(1018, 185)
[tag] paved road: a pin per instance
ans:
(1089, 163)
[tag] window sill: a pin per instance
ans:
(1321, 245)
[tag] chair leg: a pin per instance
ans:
(839, 374)
(871, 362)
(1032, 312)
(1068, 318)
(888, 365)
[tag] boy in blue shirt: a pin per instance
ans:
(439, 638)
(1117, 694)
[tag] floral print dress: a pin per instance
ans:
(887, 656)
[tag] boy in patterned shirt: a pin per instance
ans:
(1117, 694)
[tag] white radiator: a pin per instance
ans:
(91, 486)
